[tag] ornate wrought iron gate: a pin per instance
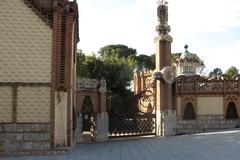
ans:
(134, 116)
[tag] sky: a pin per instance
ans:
(211, 28)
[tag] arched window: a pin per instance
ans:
(189, 113)
(231, 111)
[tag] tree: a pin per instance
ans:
(232, 71)
(215, 73)
(89, 66)
(116, 70)
(119, 49)
(145, 62)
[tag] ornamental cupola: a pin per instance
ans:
(188, 63)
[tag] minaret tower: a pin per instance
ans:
(165, 112)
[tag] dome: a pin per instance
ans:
(188, 63)
(187, 56)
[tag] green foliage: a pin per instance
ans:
(118, 71)
(215, 73)
(232, 71)
(119, 49)
(116, 64)
(145, 62)
(89, 66)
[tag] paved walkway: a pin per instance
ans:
(212, 146)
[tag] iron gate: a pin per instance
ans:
(134, 116)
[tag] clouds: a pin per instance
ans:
(210, 27)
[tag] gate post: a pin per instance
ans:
(102, 116)
(79, 138)
(165, 112)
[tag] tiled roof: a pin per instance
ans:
(44, 9)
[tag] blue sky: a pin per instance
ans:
(211, 28)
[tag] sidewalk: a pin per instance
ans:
(207, 146)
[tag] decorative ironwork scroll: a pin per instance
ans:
(134, 116)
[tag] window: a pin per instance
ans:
(231, 111)
(189, 113)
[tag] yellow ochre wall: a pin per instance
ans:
(25, 44)
(206, 105)
(33, 104)
(210, 105)
(25, 57)
(5, 104)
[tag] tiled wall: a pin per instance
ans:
(5, 104)
(25, 46)
(33, 104)
(210, 105)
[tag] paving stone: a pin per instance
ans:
(209, 146)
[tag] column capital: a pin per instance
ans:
(163, 37)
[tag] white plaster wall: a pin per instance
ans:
(25, 44)
(178, 107)
(60, 118)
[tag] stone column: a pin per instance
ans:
(102, 127)
(102, 116)
(79, 129)
(165, 114)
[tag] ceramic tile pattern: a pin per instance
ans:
(26, 44)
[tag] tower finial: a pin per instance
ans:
(162, 2)
(186, 46)
(162, 13)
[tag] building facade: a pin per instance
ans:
(37, 75)
(193, 103)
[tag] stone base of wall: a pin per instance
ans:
(24, 139)
(37, 153)
(102, 127)
(168, 123)
(79, 138)
(205, 124)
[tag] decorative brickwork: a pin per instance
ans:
(38, 44)
(231, 98)
(43, 8)
(199, 85)
(186, 100)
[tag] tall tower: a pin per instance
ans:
(165, 112)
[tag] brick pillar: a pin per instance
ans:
(165, 115)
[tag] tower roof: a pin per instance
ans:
(188, 56)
